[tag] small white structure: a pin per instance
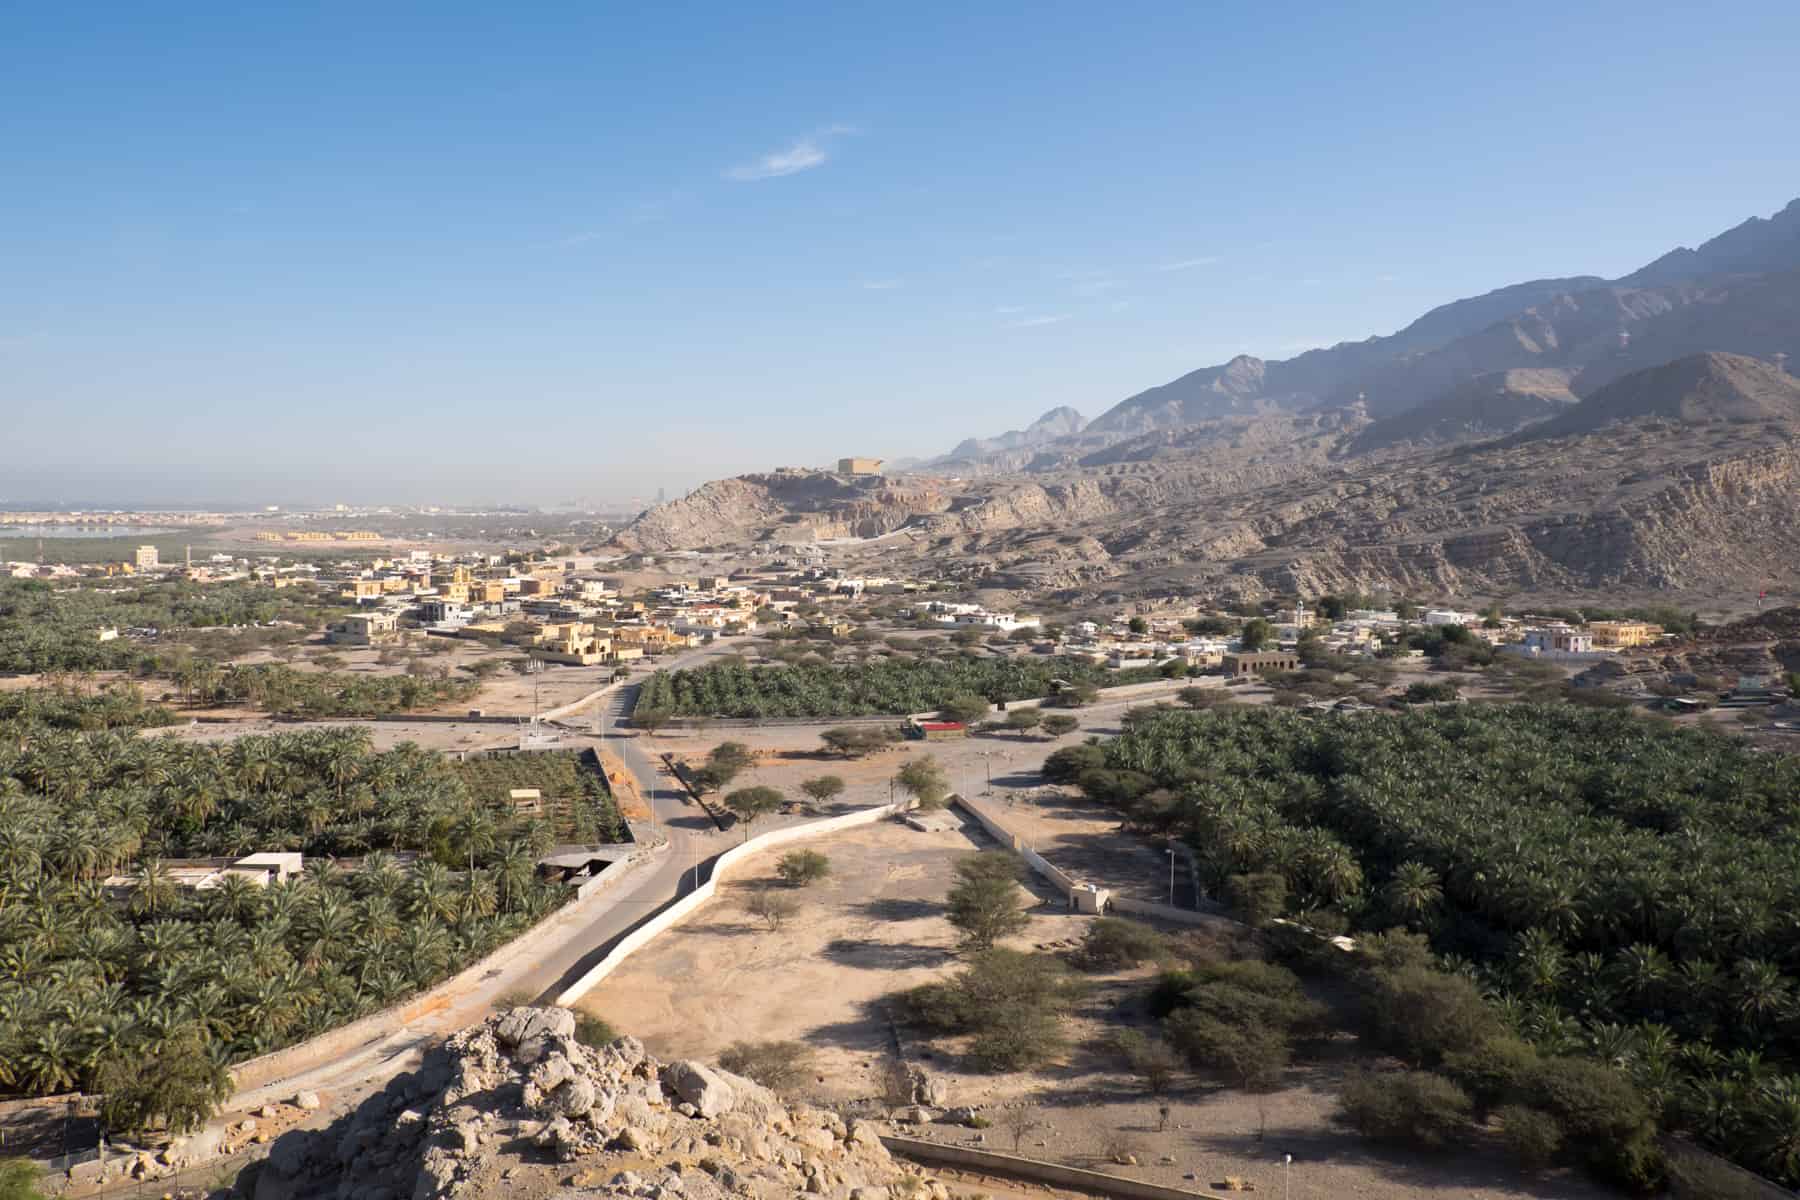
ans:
(1090, 898)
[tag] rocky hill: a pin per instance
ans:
(517, 1107)
(1698, 389)
(1649, 444)
(783, 506)
(1488, 405)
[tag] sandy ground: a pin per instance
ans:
(1000, 766)
(876, 927)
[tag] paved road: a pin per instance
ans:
(574, 939)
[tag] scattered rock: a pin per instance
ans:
(306, 1101)
(518, 1089)
(700, 1086)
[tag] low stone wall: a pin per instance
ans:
(679, 911)
(1012, 1166)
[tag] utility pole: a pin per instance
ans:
(1171, 878)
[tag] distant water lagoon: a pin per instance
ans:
(81, 531)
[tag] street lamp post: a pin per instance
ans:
(1287, 1160)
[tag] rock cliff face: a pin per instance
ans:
(517, 1107)
(784, 506)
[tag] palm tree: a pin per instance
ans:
(474, 832)
(50, 1061)
(514, 870)
(155, 893)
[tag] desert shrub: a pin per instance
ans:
(1153, 1061)
(1011, 1001)
(782, 1066)
(1242, 991)
(1533, 1136)
(985, 903)
(1256, 898)
(1018, 1039)
(1071, 762)
(1422, 1014)
(1493, 1069)
(773, 907)
(1409, 1108)
(802, 868)
(1111, 944)
(591, 1030)
(1603, 1115)
(1252, 1053)
(19, 1179)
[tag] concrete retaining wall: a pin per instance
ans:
(254, 1073)
(1697, 1174)
(1163, 912)
(1013, 1166)
(1062, 880)
(681, 909)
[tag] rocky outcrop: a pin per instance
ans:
(517, 1104)
(783, 506)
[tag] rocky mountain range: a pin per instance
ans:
(1648, 438)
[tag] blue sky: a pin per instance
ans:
(462, 252)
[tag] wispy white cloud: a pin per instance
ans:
(1035, 322)
(803, 154)
(880, 285)
(1188, 264)
(1007, 310)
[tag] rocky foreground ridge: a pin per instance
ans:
(517, 1107)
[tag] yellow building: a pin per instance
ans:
(573, 642)
(1622, 635)
(859, 466)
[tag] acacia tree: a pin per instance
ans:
(751, 804)
(985, 903)
(1023, 720)
(823, 789)
(924, 780)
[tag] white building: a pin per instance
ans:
(1449, 616)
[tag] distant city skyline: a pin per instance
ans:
(437, 253)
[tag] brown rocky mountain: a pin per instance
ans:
(1703, 508)
(1738, 292)
(1489, 405)
(1698, 389)
(1653, 446)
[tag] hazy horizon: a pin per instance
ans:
(423, 255)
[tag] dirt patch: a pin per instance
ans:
(877, 926)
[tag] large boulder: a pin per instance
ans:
(701, 1086)
(523, 1025)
